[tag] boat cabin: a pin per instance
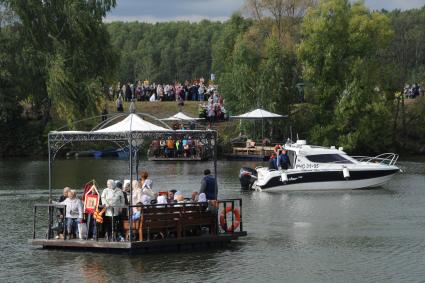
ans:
(303, 156)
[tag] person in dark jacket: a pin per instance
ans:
(283, 160)
(209, 186)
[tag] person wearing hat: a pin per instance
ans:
(209, 186)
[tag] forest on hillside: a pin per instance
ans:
(336, 68)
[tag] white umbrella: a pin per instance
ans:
(180, 117)
(259, 114)
(132, 123)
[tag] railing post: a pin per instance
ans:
(225, 216)
(33, 223)
(240, 212)
(65, 228)
(233, 216)
(112, 225)
(49, 229)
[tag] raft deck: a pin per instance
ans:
(182, 226)
(175, 158)
(141, 247)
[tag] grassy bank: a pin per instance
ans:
(158, 109)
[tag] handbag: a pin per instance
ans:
(82, 230)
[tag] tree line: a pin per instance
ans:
(333, 66)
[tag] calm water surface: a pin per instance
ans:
(343, 236)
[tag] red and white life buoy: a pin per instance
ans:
(236, 219)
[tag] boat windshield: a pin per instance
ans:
(328, 158)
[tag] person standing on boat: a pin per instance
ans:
(63, 197)
(111, 198)
(209, 185)
(74, 212)
(61, 220)
(273, 164)
(283, 160)
(145, 181)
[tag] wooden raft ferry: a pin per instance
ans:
(183, 226)
(161, 227)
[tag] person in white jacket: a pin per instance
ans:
(137, 194)
(74, 213)
(112, 198)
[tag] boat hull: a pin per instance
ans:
(332, 180)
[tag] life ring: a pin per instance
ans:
(236, 219)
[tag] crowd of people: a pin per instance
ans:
(211, 101)
(115, 199)
(413, 91)
(197, 90)
(177, 148)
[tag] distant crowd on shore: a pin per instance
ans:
(413, 91)
(197, 90)
(211, 105)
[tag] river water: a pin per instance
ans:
(343, 236)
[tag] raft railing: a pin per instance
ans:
(234, 208)
(50, 219)
(228, 213)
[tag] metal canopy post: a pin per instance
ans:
(136, 157)
(215, 165)
(131, 185)
(50, 170)
(262, 126)
(49, 209)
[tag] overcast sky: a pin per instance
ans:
(195, 10)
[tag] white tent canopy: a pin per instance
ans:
(180, 117)
(258, 114)
(132, 123)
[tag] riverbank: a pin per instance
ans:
(32, 138)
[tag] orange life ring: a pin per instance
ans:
(236, 219)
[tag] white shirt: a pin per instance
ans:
(112, 197)
(74, 208)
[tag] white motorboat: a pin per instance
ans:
(321, 168)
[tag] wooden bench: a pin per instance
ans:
(172, 218)
(195, 220)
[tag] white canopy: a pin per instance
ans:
(179, 117)
(258, 114)
(132, 123)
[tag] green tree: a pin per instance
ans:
(74, 44)
(339, 56)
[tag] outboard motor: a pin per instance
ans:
(247, 177)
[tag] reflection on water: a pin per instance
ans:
(334, 236)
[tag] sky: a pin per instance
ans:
(217, 10)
